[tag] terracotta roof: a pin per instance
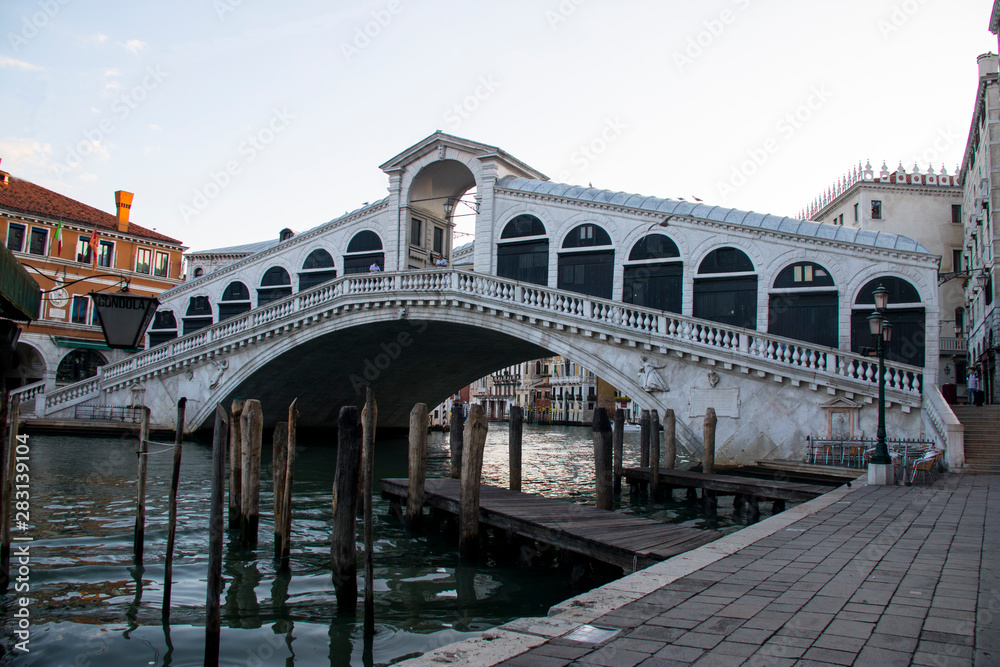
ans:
(26, 197)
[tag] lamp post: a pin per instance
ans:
(880, 467)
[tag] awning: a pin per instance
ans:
(20, 296)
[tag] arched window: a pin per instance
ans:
(653, 274)
(318, 268)
(163, 327)
(526, 259)
(79, 365)
(803, 305)
(364, 250)
(199, 272)
(725, 289)
(906, 314)
(198, 315)
(276, 284)
(235, 300)
(590, 267)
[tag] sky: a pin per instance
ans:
(232, 119)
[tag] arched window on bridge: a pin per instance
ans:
(725, 289)
(79, 365)
(653, 274)
(198, 315)
(589, 266)
(905, 312)
(523, 251)
(276, 284)
(163, 327)
(803, 305)
(317, 269)
(235, 300)
(364, 250)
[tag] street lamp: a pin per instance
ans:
(882, 333)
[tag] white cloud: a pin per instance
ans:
(97, 39)
(136, 46)
(13, 63)
(25, 154)
(154, 127)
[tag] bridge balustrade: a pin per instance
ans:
(586, 310)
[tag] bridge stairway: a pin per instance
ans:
(982, 437)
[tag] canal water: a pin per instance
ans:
(88, 605)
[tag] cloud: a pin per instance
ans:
(96, 40)
(13, 63)
(136, 46)
(154, 127)
(25, 153)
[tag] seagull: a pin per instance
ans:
(695, 198)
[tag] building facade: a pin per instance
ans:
(71, 250)
(981, 196)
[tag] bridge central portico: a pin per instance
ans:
(754, 315)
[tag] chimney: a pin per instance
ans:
(123, 202)
(988, 63)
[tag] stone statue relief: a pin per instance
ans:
(650, 378)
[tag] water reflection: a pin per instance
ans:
(90, 605)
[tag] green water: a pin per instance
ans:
(88, 604)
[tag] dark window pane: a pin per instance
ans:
(731, 301)
(900, 291)
(654, 246)
(807, 317)
(523, 225)
(318, 259)
(804, 274)
(156, 338)
(192, 324)
(275, 276)
(654, 285)
(307, 280)
(527, 262)
(199, 305)
(15, 237)
(438, 240)
(236, 291)
(587, 272)
(908, 334)
(164, 319)
(585, 236)
(104, 252)
(360, 263)
(364, 241)
(267, 295)
(227, 310)
(79, 365)
(37, 242)
(726, 260)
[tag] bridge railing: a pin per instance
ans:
(661, 325)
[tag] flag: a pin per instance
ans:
(59, 238)
(93, 247)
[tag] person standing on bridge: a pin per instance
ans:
(441, 262)
(374, 268)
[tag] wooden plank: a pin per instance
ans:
(619, 539)
(731, 484)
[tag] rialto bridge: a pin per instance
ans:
(763, 318)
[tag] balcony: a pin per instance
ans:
(953, 345)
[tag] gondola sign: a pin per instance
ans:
(124, 317)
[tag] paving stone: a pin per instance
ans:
(557, 651)
(720, 625)
(830, 655)
(684, 654)
(893, 642)
(781, 650)
(839, 642)
(746, 635)
(849, 628)
(927, 646)
(532, 659)
(701, 640)
(946, 638)
(609, 656)
(950, 626)
(719, 660)
(768, 661)
(639, 645)
(871, 655)
(657, 633)
(734, 648)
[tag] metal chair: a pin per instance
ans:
(926, 465)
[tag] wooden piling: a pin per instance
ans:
(368, 417)
(708, 466)
(343, 549)
(472, 474)
(279, 464)
(455, 435)
(251, 433)
(514, 446)
(644, 439)
(669, 439)
(602, 459)
(8, 465)
(619, 448)
(417, 467)
(175, 476)
(654, 454)
(213, 622)
(235, 464)
(286, 503)
(140, 515)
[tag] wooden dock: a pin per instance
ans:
(743, 487)
(619, 539)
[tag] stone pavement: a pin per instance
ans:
(868, 575)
